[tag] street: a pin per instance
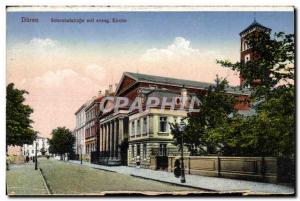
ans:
(63, 178)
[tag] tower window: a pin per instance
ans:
(245, 46)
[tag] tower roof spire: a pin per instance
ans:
(254, 25)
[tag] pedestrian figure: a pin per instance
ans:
(177, 169)
(138, 161)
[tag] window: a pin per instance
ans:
(245, 45)
(163, 124)
(144, 150)
(132, 128)
(163, 150)
(32, 151)
(132, 151)
(145, 125)
(138, 127)
(138, 150)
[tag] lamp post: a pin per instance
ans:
(35, 167)
(181, 129)
(80, 154)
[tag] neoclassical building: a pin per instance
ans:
(149, 131)
(133, 137)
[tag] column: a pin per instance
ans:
(101, 138)
(110, 139)
(150, 122)
(121, 130)
(106, 138)
(100, 141)
(135, 128)
(115, 138)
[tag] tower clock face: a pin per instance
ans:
(247, 58)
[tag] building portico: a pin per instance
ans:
(113, 132)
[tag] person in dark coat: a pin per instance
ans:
(177, 169)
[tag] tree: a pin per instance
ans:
(62, 141)
(18, 123)
(273, 64)
(214, 110)
(271, 131)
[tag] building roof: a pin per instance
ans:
(167, 80)
(255, 24)
(180, 82)
(93, 101)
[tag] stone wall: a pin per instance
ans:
(248, 168)
(15, 159)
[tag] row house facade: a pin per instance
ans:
(91, 125)
(79, 131)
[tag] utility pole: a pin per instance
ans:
(181, 128)
(36, 143)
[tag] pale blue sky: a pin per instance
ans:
(144, 29)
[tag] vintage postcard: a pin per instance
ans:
(150, 101)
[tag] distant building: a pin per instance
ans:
(14, 151)
(79, 131)
(42, 146)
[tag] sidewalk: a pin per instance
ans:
(24, 180)
(203, 182)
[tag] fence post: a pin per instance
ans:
(219, 166)
(263, 168)
(189, 165)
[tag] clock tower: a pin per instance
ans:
(247, 54)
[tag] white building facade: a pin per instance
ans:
(80, 131)
(41, 145)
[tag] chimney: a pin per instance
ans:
(110, 88)
(184, 97)
(106, 92)
(183, 92)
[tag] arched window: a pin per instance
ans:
(245, 45)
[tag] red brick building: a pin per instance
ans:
(91, 138)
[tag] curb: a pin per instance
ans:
(175, 184)
(96, 168)
(45, 182)
(157, 180)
